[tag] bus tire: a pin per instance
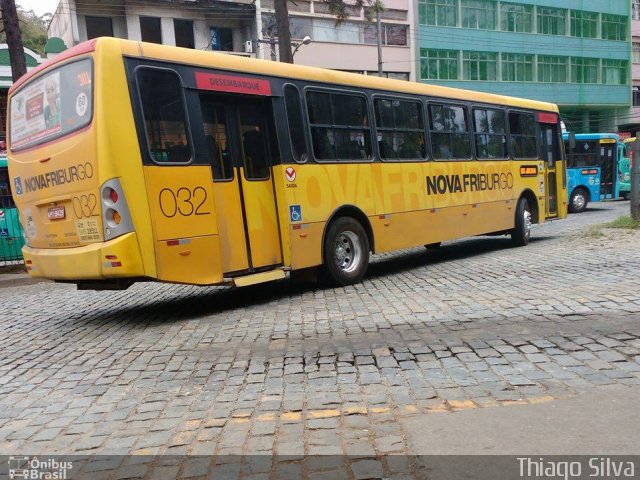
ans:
(578, 200)
(521, 233)
(345, 252)
(625, 195)
(433, 246)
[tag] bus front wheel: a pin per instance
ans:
(345, 251)
(521, 233)
(578, 201)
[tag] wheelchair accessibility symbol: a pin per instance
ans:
(295, 213)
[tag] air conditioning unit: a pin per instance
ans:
(248, 46)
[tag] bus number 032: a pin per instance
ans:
(183, 201)
(85, 206)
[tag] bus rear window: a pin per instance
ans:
(52, 105)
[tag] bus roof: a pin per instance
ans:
(593, 136)
(237, 63)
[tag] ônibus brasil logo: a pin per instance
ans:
(35, 469)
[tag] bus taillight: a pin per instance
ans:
(116, 219)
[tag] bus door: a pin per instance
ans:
(240, 140)
(551, 154)
(608, 168)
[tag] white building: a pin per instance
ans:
(245, 27)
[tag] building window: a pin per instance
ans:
(614, 27)
(221, 39)
(635, 9)
(614, 72)
(98, 27)
(328, 31)
(635, 52)
(438, 64)
(399, 129)
(184, 33)
(491, 140)
(517, 67)
(516, 18)
(552, 69)
(339, 126)
(480, 14)
(552, 21)
(438, 12)
(449, 132)
(150, 30)
(584, 24)
(391, 34)
(584, 70)
(636, 96)
(479, 66)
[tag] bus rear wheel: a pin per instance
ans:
(345, 252)
(521, 233)
(578, 200)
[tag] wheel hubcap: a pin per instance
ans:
(348, 251)
(527, 223)
(578, 202)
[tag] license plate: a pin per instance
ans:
(56, 213)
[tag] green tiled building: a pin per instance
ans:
(575, 53)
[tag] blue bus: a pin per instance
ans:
(11, 235)
(592, 168)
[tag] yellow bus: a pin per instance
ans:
(132, 161)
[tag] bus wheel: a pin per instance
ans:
(578, 201)
(521, 234)
(345, 251)
(433, 246)
(625, 195)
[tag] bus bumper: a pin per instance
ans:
(117, 258)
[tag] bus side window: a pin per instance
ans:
(449, 132)
(339, 126)
(490, 135)
(522, 128)
(399, 129)
(294, 120)
(165, 118)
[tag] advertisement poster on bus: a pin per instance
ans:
(35, 113)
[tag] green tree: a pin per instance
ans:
(34, 30)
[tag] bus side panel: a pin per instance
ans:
(427, 202)
(184, 224)
(317, 192)
(590, 182)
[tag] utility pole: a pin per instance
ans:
(635, 178)
(14, 39)
(379, 26)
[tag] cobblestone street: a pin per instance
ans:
(294, 369)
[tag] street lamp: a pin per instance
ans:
(305, 41)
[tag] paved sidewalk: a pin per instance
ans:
(600, 422)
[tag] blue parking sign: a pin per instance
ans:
(295, 213)
(17, 181)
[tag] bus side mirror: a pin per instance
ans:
(572, 141)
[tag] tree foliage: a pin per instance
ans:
(34, 30)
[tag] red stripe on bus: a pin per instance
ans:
(547, 118)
